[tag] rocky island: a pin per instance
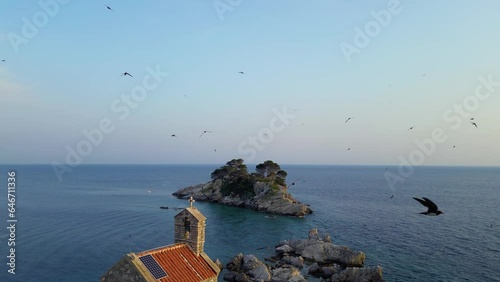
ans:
(264, 190)
(304, 260)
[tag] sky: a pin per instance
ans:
(308, 66)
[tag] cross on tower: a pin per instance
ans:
(191, 201)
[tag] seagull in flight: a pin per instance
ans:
(348, 119)
(206, 131)
(173, 135)
(109, 8)
(293, 183)
(126, 73)
(412, 127)
(432, 209)
(473, 123)
(240, 72)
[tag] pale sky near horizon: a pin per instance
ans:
(428, 57)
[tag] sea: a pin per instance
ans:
(76, 229)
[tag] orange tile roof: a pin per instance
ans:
(181, 264)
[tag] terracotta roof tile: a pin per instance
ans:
(181, 264)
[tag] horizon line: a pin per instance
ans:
(305, 164)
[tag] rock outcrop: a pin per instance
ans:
(264, 190)
(316, 256)
(268, 198)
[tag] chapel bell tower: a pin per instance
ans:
(190, 228)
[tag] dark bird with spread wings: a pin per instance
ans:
(109, 8)
(473, 123)
(432, 209)
(126, 73)
(293, 183)
(348, 119)
(206, 131)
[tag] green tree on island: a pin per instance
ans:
(271, 171)
(237, 182)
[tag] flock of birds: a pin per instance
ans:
(432, 208)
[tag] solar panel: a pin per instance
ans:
(153, 267)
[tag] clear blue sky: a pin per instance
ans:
(65, 78)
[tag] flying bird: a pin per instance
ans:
(206, 131)
(454, 146)
(215, 150)
(240, 72)
(391, 197)
(432, 209)
(109, 8)
(3, 61)
(348, 119)
(126, 73)
(349, 149)
(173, 135)
(411, 127)
(471, 118)
(293, 183)
(473, 123)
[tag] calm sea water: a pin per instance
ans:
(76, 230)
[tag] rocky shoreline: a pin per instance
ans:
(312, 259)
(266, 199)
(264, 190)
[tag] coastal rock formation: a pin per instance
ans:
(249, 268)
(264, 191)
(316, 256)
(266, 199)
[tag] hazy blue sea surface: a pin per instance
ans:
(76, 230)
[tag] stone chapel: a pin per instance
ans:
(183, 261)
